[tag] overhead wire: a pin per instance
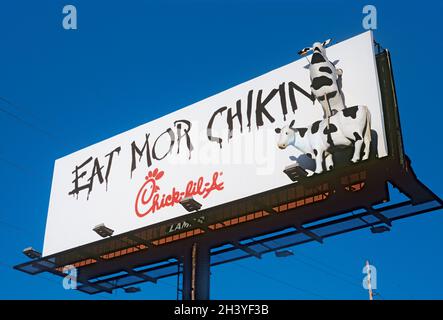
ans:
(312, 293)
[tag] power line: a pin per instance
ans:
(377, 294)
(281, 281)
(328, 266)
(17, 107)
(356, 284)
(20, 168)
(25, 122)
(350, 276)
(5, 264)
(329, 273)
(12, 226)
(28, 124)
(26, 172)
(326, 269)
(8, 102)
(373, 294)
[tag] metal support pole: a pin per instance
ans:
(187, 275)
(368, 272)
(196, 273)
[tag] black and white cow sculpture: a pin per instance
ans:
(324, 77)
(350, 126)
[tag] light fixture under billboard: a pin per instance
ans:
(31, 253)
(295, 172)
(132, 289)
(190, 204)
(283, 253)
(380, 229)
(103, 231)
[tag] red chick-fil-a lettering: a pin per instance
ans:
(149, 200)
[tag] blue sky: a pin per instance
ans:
(132, 61)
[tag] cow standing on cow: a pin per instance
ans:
(324, 78)
(350, 126)
(340, 127)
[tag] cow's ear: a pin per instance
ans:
(304, 51)
(326, 43)
(277, 130)
(291, 125)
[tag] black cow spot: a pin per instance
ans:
(332, 128)
(350, 112)
(315, 126)
(319, 82)
(331, 167)
(330, 95)
(315, 152)
(302, 131)
(325, 69)
(357, 136)
(317, 58)
(309, 155)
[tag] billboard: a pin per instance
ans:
(230, 146)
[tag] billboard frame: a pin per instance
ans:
(188, 243)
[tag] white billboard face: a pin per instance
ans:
(232, 145)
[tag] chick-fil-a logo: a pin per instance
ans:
(150, 200)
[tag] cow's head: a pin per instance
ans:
(316, 47)
(286, 135)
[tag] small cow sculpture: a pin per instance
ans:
(351, 126)
(324, 77)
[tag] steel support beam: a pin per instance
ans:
(309, 233)
(246, 249)
(379, 216)
(196, 272)
(140, 275)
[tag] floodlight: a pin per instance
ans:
(103, 231)
(132, 289)
(31, 253)
(283, 253)
(295, 172)
(190, 204)
(380, 229)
